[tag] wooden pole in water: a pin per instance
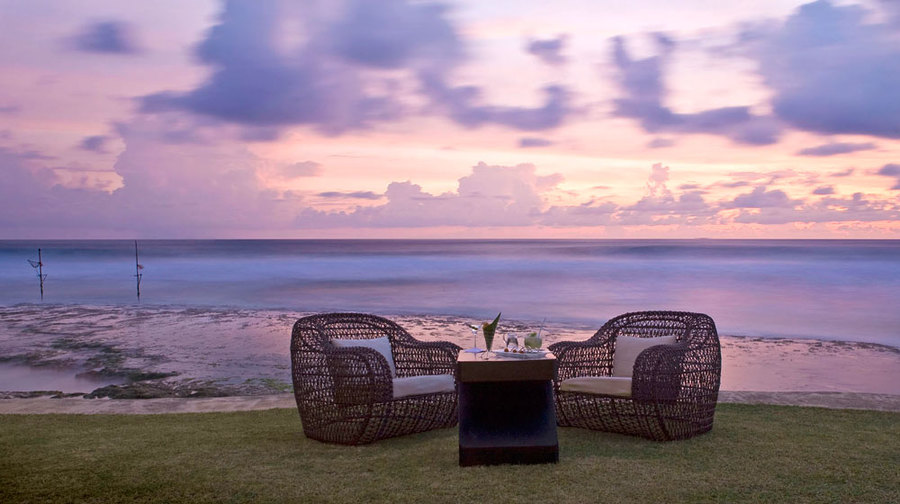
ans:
(41, 273)
(137, 270)
(39, 267)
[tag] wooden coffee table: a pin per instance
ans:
(506, 410)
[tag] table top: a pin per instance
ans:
(474, 367)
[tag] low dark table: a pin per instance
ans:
(506, 410)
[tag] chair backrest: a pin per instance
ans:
(314, 384)
(693, 329)
(313, 332)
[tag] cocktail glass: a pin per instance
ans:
(533, 342)
(474, 348)
(488, 339)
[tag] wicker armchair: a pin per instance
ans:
(673, 390)
(349, 394)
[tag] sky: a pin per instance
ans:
(456, 119)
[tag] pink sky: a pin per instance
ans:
(391, 118)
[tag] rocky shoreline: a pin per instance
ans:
(141, 352)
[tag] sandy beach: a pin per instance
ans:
(237, 359)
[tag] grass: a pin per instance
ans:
(753, 454)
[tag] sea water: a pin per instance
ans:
(821, 289)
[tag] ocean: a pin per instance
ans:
(818, 289)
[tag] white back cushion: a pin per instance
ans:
(382, 345)
(628, 348)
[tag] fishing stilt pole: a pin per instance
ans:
(39, 266)
(137, 270)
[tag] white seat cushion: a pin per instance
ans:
(628, 348)
(425, 384)
(604, 385)
(382, 345)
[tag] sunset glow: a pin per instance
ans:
(466, 119)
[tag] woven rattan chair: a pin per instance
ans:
(348, 395)
(674, 387)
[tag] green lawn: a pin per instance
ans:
(753, 454)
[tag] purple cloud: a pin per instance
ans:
(843, 173)
(94, 143)
(592, 213)
(835, 148)
(322, 83)
(549, 51)
(659, 143)
(366, 195)
(344, 76)
(823, 190)
(759, 197)
(462, 105)
(106, 37)
(641, 82)
(856, 208)
(489, 196)
(392, 33)
(891, 170)
(527, 142)
(832, 70)
(33, 155)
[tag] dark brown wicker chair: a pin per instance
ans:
(345, 394)
(674, 388)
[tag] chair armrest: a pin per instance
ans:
(658, 373)
(415, 358)
(361, 375)
(582, 358)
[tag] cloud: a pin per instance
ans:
(35, 155)
(303, 169)
(461, 104)
(33, 203)
(549, 51)
(322, 82)
(10, 109)
(659, 143)
(854, 209)
(661, 206)
(168, 190)
(891, 170)
(843, 173)
(94, 143)
(276, 63)
(106, 37)
(527, 142)
(514, 196)
(592, 213)
(489, 196)
(641, 82)
(835, 148)
(393, 34)
(366, 195)
(832, 70)
(760, 197)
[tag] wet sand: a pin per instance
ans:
(197, 352)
